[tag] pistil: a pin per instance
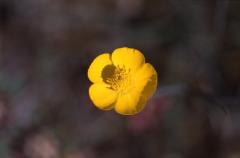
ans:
(120, 79)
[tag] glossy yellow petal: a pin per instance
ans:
(130, 103)
(145, 80)
(132, 81)
(128, 57)
(97, 66)
(102, 96)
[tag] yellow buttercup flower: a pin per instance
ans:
(121, 81)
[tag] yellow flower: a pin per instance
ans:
(121, 80)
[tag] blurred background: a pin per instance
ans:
(46, 47)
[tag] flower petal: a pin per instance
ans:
(128, 57)
(145, 80)
(102, 96)
(97, 66)
(130, 103)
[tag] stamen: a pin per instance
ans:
(118, 78)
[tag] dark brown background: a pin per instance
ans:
(46, 47)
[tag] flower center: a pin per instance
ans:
(118, 78)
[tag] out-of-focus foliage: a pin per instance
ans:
(46, 47)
